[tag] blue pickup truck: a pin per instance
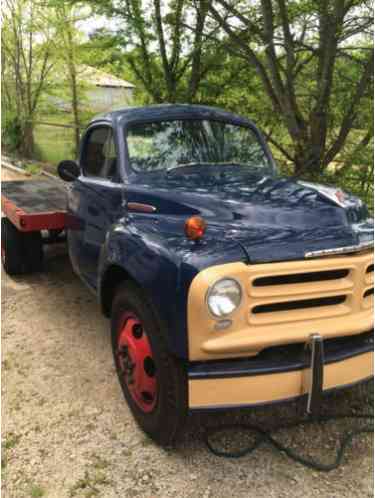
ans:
(227, 285)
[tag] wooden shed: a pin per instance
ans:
(104, 91)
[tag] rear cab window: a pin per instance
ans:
(99, 157)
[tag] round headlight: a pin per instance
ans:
(224, 297)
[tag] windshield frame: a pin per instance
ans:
(133, 175)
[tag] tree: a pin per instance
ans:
(67, 52)
(27, 61)
(297, 49)
(163, 52)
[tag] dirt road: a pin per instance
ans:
(68, 433)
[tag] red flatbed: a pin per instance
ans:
(34, 205)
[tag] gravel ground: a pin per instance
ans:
(68, 433)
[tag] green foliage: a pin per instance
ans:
(11, 132)
(33, 169)
(104, 50)
(356, 173)
(11, 441)
(90, 483)
(53, 144)
(164, 44)
(26, 49)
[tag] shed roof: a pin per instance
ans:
(97, 77)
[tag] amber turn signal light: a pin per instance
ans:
(195, 228)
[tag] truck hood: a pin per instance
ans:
(271, 218)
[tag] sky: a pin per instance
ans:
(90, 25)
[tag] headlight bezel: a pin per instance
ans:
(209, 291)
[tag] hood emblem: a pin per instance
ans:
(333, 194)
(340, 196)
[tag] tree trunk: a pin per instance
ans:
(306, 161)
(73, 83)
(75, 111)
(27, 147)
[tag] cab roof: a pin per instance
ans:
(169, 112)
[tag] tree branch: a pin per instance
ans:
(349, 117)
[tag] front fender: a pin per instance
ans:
(153, 264)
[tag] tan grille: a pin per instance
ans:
(368, 295)
(283, 303)
(329, 287)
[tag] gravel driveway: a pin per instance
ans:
(68, 433)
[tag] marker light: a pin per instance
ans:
(195, 228)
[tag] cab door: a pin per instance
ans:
(96, 199)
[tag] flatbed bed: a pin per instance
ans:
(34, 205)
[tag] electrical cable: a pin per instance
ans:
(264, 436)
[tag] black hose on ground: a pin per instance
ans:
(265, 436)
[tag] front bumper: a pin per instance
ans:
(278, 374)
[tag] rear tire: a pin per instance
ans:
(162, 412)
(21, 252)
(34, 252)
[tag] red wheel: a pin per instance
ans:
(153, 381)
(136, 362)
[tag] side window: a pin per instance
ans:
(110, 163)
(99, 154)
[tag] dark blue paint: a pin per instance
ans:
(250, 218)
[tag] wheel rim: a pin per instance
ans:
(136, 362)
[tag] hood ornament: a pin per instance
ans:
(332, 193)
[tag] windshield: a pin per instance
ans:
(195, 146)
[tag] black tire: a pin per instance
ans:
(21, 252)
(34, 252)
(164, 423)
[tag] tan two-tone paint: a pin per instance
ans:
(262, 389)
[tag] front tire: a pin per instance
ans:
(153, 381)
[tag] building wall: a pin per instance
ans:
(105, 98)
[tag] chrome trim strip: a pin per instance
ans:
(340, 250)
(141, 208)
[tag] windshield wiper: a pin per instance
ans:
(184, 167)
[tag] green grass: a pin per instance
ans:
(33, 169)
(36, 491)
(90, 482)
(7, 365)
(11, 440)
(53, 144)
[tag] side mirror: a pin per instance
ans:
(68, 171)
